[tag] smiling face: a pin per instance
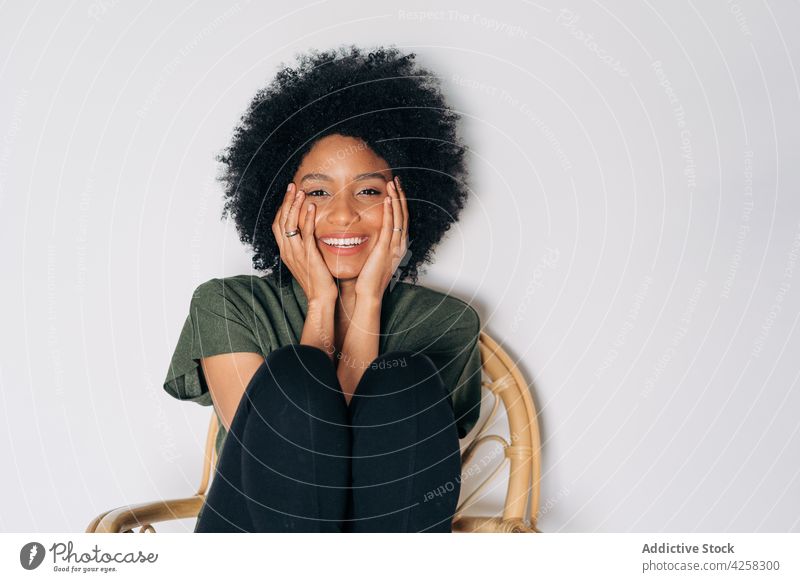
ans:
(347, 183)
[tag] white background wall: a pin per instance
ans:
(633, 240)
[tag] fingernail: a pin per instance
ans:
(289, 187)
(311, 206)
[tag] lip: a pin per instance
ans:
(343, 235)
(340, 251)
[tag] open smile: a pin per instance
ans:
(342, 245)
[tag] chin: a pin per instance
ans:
(342, 273)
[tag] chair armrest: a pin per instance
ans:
(94, 523)
(472, 524)
(143, 515)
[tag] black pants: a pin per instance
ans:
(299, 459)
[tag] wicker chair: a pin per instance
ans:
(522, 453)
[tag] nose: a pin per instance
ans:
(341, 209)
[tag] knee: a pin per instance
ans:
(292, 359)
(401, 372)
(402, 387)
(298, 370)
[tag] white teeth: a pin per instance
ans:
(344, 242)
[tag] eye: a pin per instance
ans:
(316, 193)
(370, 192)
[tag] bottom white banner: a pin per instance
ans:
(80, 556)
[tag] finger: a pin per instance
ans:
(309, 225)
(294, 244)
(280, 215)
(313, 253)
(294, 211)
(308, 231)
(397, 218)
(287, 202)
(403, 203)
(385, 236)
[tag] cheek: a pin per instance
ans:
(373, 216)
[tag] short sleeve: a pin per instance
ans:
(217, 323)
(456, 354)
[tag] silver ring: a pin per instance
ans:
(290, 234)
(400, 229)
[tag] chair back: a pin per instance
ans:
(503, 380)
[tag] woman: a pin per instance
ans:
(341, 389)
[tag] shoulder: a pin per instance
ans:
(434, 308)
(232, 291)
(235, 287)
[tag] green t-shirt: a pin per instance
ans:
(249, 313)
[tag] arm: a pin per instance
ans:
(318, 326)
(361, 343)
(227, 376)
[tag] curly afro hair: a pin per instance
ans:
(381, 97)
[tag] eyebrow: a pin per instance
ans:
(326, 178)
